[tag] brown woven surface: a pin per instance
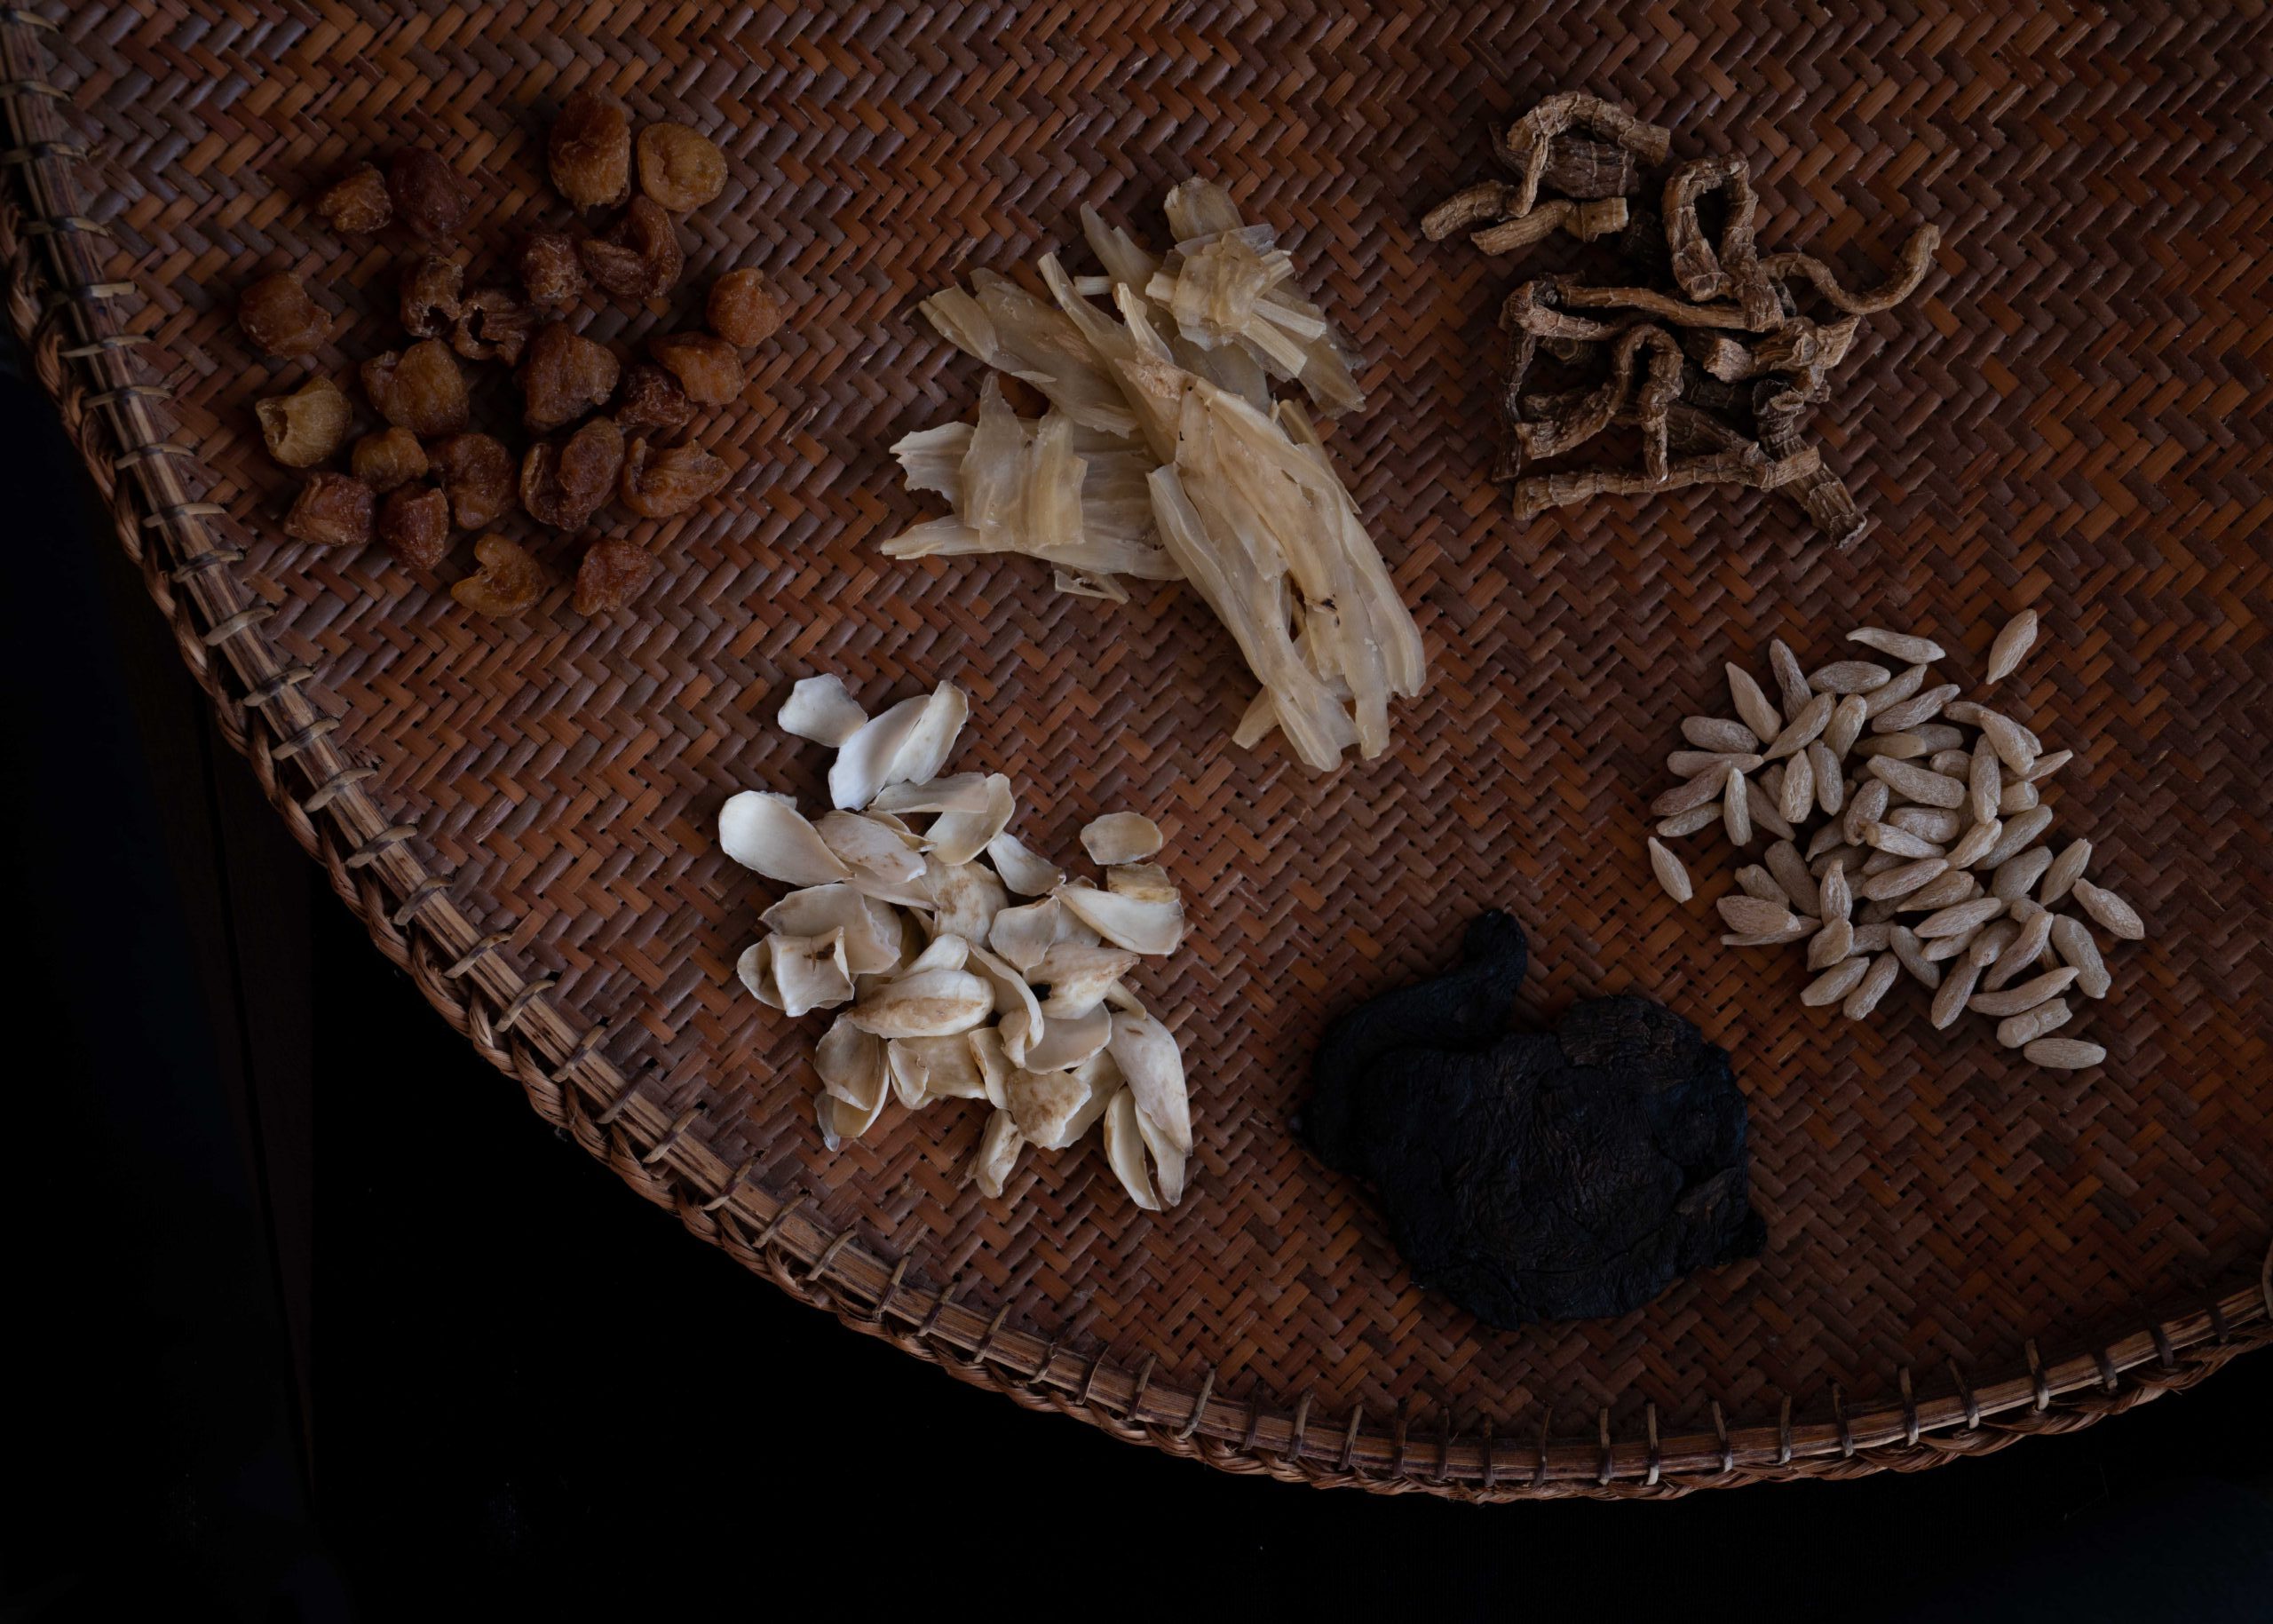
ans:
(2070, 414)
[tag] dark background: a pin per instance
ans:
(296, 1352)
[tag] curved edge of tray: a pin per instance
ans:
(62, 309)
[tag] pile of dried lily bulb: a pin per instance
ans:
(1164, 455)
(1728, 364)
(904, 913)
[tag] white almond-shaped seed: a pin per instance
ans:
(1873, 987)
(2018, 872)
(1754, 881)
(1763, 812)
(1804, 728)
(1850, 677)
(1846, 724)
(1754, 916)
(1796, 795)
(1831, 945)
(1908, 949)
(1956, 988)
(1736, 809)
(1963, 916)
(1752, 704)
(1984, 780)
(1689, 822)
(1689, 763)
(2063, 1054)
(1835, 983)
(1719, 733)
(1849, 858)
(2046, 765)
(1830, 783)
(2011, 645)
(2014, 744)
(2025, 948)
(1879, 862)
(1791, 933)
(1911, 712)
(2019, 796)
(2117, 916)
(1874, 936)
(1791, 681)
(2030, 1025)
(1944, 948)
(1784, 862)
(2021, 831)
(1833, 899)
(1975, 843)
(1990, 941)
(1864, 807)
(1938, 824)
(1941, 891)
(1902, 879)
(1906, 686)
(2027, 995)
(1951, 764)
(1909, 650)
(2065, 871)
(2072, 941)
(1926, 787)
(1893, 838)
(1940, 736)
(1670, 872)
(1693, 792)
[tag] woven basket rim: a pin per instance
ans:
(62, 308)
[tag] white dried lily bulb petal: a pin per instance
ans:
(864, 762)
(1024, 935)
(1025, 873)
(1067, 1041)
(933, 739)
(908, 837)
(1150, 928)
(1077, 977)
(854, 1064)
(872, 933)
(993, 1065)
(819, 708)
(1043, 1105)
(965, 897)
(765, 832)
(1121, 996)
(957, 792)
(1124, 1151)
(841, 1123)
(911, 1074)
(1102, 1079)
(950, 1069)
(958, 837)
(1148, 1056)
(1168, 1162)
(1120, 837)
(1145, 882)
(914, 895)
(756, 968)
(998, 1154)
(933, 1004)
(810, 973)
(1072, 927)
(945, 951)
(870, 847)
(1021, 1024)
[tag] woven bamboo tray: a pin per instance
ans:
(2072, 412)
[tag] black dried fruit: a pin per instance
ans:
(1536, 1175)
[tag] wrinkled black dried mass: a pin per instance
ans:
(1536, 1175)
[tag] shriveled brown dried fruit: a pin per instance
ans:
(743, 308)
(652, 398)
(389, 458)
(419, 389)
(589, 151)
(414, 523)
(660, 481)
(637, 258)
(564, 484)
(679, 168)
(306, 426)
(492, 325)
(611, 576)
(477, 472)
(552, 274)
(428, 196)
(431, 296)
(357, 202)
(708, 368)
(331, 510)
(279, 317)
(508, 582)
(563, 376)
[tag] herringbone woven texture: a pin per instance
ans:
(2071, 413)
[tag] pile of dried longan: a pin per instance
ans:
(427, 474)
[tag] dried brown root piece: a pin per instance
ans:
(1750, 467)
(1777, 407)
(1527, 145)
(1911, 266)
(1586, 221)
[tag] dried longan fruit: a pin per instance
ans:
(707, 367)
(306, 426)
(552, 274)
(508, 582)
(660, 481)
(612, 575)
(589, 151)
(420, 389)
(388, 459)
(681, 168)
(743, 308)
(638, 258)
(492, 325)
(331, 510)
(414, 524)
(477, 473)
(431, 296)
(429, 196)
(652, 398)
(357, 204)
(279, 317)
(563, 376)
(564, 484)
